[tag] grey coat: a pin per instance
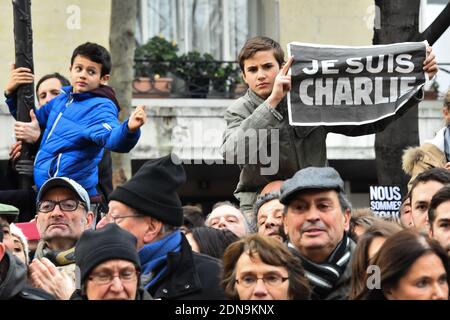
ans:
(297, 147)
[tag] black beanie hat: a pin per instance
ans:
(108, 243)
(152, 190)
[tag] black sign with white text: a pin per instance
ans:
(385, 201)
(352, 86)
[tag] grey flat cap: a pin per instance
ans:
(325, 178)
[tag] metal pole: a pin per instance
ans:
(23, 41)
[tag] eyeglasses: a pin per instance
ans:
(103, 278)
(65, 205)
(118, 219)
(272, 280)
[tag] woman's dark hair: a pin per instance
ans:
(361, 259)
(269, 251)
(369, 221)
(63, 80)
(95, 53)
(211, 241)
(396, 257)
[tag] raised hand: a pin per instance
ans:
(28, 131)
(17, 77)
(45, 275)
(137, 118)
(430, 65)
(281, 85)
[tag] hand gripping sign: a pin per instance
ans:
(353, 86)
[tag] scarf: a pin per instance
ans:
(323, 277)
(58, 257)
(153, 256)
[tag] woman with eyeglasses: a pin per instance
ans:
(108, 266)
(261, 268)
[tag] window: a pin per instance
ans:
(219, 27)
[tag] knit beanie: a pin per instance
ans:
(152, 190)
(108, 243)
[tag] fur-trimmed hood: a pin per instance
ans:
(416, 160)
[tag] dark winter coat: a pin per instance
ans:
(190, 276)
(141, 295)
(13, 281)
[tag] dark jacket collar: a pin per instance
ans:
(181, 277)
(141, 294)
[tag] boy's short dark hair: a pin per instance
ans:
(96, 53)
(63, 80)
(440, 175)
(256, 44)
(443, 195)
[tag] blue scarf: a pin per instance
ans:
(154, 255)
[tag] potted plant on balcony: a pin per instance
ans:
(222, 78)
(196, 70)
(237, 85)
(153, 61)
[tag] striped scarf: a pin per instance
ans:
(323, 277)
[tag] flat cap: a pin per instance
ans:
(322, 178)
(10, 213)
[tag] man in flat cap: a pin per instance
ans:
(8, 215)
(148, 206)
(316, 219)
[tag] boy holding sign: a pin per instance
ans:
(258, 136)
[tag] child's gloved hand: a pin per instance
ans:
(137, 118)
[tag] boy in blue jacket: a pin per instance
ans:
(82, 121)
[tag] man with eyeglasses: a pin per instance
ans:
(108, 265)
(149, 207)
(62, 216)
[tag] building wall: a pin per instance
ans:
(58, 27)
(338, 22)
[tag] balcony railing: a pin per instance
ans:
(191, 79)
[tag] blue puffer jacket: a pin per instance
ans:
(77, 128)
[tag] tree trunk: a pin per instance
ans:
(23, 41)
(399, 23)
(122, 46)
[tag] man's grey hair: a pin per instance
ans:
(248, 226)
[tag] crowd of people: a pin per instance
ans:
(293, 236)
